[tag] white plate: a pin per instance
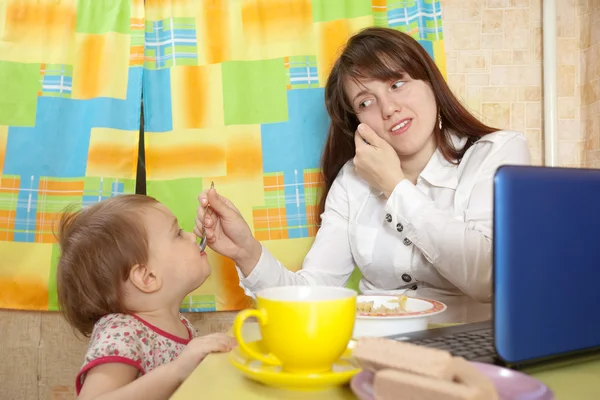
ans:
(415, 319)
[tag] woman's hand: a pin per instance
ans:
(376, 161)
(227, 232)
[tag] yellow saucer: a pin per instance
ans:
(342, 371)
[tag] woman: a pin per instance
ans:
(408, 185)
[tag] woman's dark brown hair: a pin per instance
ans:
(384, 54)
(98, 246)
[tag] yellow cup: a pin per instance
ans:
(305, 328)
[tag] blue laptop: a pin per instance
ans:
(546, 246)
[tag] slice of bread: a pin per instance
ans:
(420, 373)
(391, 384)
(466, 374)
(374, 354)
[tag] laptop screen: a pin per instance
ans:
(546, 261)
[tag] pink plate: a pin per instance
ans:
(511, 385)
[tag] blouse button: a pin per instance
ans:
(414, 287)
(388, 217)
(406, 242)
(399, 227)
(406, 278)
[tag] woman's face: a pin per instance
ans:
(402, 112)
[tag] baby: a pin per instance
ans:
(125, 267)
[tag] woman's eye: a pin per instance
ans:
(365, 103)
(397, 84)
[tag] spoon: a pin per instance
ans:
(203, 239)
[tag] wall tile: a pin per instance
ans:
(492, 41)
(566, 80)
(516, 75)
(473, 102)
(567, 108)
(467, 36)
(482, 79)
(530, 93)
(534, 137)
(497, 3)
(517, 121)
(533, 115)
(494, 60)
(519, 3)
(497, 114)
(499, 93)
(492, 21)
(471, 14)
(570, 151)
(502, 57)
(568, 130)
(473, 62)
(516, 29)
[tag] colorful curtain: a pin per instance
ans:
(232, 92)
(70, 91)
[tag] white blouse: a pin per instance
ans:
(434, 237)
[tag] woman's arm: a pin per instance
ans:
(328, 262)
(461, 250)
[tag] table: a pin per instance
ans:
(216, 378)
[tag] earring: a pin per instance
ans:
(440, 121)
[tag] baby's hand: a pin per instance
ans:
(197, 349)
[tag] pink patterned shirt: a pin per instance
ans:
(128, 339)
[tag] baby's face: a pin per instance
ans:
(174, 253)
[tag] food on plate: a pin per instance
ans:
(397, 306)
(420, 372)
(374, 354)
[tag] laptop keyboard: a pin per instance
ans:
(472, 346)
